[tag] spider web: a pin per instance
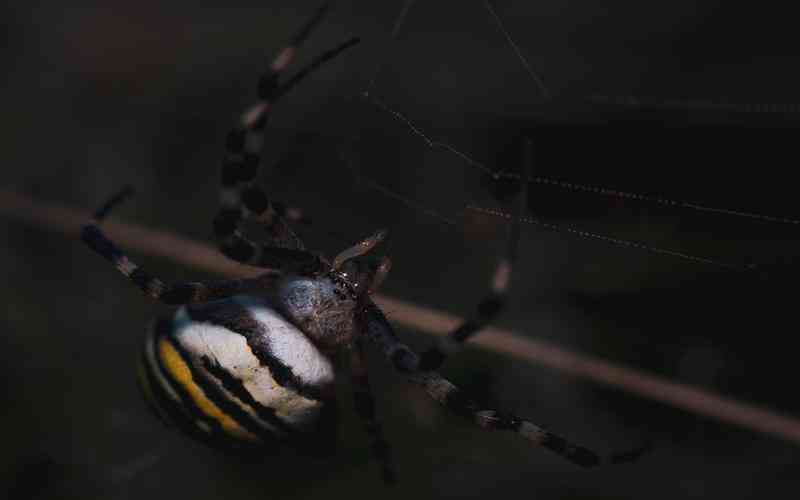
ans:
(543, 100)
(546, 97)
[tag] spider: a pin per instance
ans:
(245, 365)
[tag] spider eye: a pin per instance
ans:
(349, 271)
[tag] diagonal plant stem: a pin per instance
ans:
(67, 220)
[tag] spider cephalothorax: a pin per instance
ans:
(324, 305)
(245, 364)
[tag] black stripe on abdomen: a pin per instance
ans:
(186, 415)
(238, 319)
(178, 413)
(237, 388)
(228, 406)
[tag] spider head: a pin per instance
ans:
(363, 275)
(325, 306)
(360, 274)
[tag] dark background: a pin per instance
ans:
(98, 96)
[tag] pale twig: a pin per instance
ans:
(67, 220)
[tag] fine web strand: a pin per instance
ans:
(524, 61)
(439, 144)
(398, 23)
(366, 93)
(433, 144)
(610, 239)
(572, 186)
(414, 205)
(638, 102)
(656, 200)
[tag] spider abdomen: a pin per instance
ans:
(237, 375)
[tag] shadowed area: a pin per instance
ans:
(693, 101)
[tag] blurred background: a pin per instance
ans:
(686, 100)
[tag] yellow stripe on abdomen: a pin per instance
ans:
(179, 370)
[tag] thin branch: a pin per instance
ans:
(67, 220)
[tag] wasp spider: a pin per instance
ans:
(246, 364)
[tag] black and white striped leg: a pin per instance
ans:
(365, 408)
(241, 249)
(239, 198)
(492, 305)
(487, 310)
(377, 329)
(176, 293)
(458, 402)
